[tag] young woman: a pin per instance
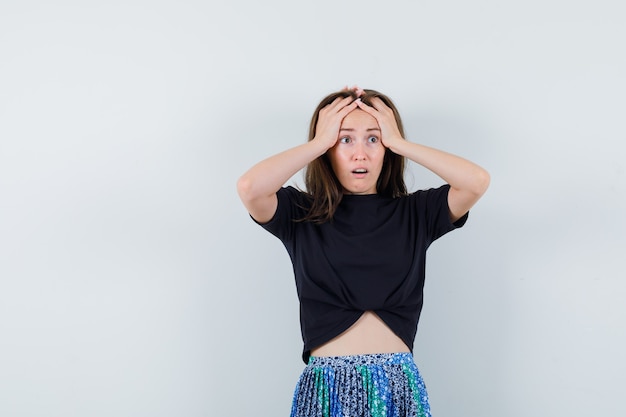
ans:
(357, 240)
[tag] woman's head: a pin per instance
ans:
(358, 155)
(321, 180)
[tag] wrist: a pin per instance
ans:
(323, 143)
(320, 145)
(395, 144)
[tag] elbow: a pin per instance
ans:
(482, 179)
(251, 189)
(476, 183)
(245, 188)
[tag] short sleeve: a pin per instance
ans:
(289, 209)
(434, 203)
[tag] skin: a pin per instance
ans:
(359, 148)
(348, 118)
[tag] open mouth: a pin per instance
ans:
(359, 173)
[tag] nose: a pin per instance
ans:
(359, 152)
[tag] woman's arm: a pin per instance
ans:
(258, 186)
(468, 181)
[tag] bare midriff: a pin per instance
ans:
(369, 334)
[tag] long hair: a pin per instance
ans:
(320, 180)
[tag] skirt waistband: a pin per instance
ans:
(364, 359)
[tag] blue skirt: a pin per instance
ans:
(374, 385)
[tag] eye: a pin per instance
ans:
(345, 139)
(372, 139)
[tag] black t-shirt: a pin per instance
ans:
(370, 257)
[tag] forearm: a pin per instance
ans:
(460, 173)
(266, 177)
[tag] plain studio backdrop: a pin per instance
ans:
(133, 283)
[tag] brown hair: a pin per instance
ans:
(320, 180)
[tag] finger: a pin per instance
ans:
(342, 104)
(377, 103)
(369, 109)
(347, 109)
(354, 89)
(380, 105)
(338, 103)
(357, 90)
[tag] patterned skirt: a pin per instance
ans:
(374, 385)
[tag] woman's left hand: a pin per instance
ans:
(389, 131)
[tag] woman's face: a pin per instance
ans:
(357, 157)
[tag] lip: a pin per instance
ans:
(359, 175)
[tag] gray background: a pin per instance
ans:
(132, 282)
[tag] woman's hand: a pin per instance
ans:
(390, 134)
(357, 90)
(330, 118)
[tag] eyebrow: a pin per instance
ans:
(352, 130)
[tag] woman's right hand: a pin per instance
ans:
(330, 118)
